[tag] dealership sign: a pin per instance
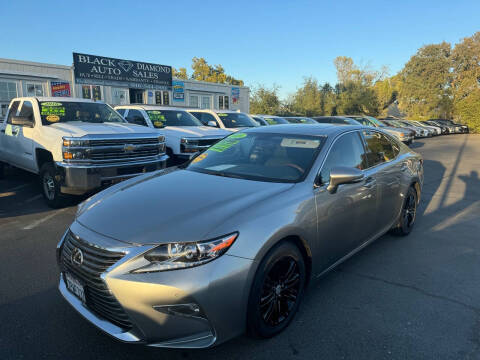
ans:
(178, 90)
(99, 70)
(60, 88)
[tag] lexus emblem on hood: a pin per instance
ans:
(77, 257)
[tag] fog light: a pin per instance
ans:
(186, 310)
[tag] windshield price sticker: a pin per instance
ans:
(52, 110)
(228, 142)
(199, 158)
(223, 145)
(53, 118)
(222, 114)
(300, 143)
(156, 116)
(51, 103)
(238, 136)
(270, 121)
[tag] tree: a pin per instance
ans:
(425, 90)
(265, 101)
(308, 99)
(386, 91)
(466, 81)
(181, 73)
(202, 71)
(355, 94)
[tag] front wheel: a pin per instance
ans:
(276, 292)
(408, 215)
(50, 185)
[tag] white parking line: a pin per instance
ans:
(19, 187)
(42, 220)
(33, 198)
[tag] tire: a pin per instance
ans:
(276, 283)
(171, 161)
(50, 186)
(408, 215)
(2, 170)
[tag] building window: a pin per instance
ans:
(162, 97)
(193, 101)
(206, 102)
(166, 98)
(93, 92)
(8, 91)
(223, 102)
(119, 96)
(34, 89)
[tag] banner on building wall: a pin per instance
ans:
(100, 70)
(178, 90)
(60, 88)
(235, 95)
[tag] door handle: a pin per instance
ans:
(370, 182)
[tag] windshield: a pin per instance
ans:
(53, 112)
(260, 156)
(236, 120)
(162, 118)
(274, 120)
(375, 121)
(364, 121)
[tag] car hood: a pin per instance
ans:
(79, 128)
(172, 206)
(194, 131)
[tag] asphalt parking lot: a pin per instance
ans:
(401, 298)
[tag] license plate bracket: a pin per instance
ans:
(75, 287)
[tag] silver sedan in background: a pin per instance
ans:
(194, 255)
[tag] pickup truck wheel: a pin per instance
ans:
(51, 187)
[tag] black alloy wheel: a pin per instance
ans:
(277, 291)
(280, 291)
(408, 215)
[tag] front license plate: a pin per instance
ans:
(75, 287)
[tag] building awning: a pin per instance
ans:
(28, 74)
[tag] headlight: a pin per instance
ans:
(73, 142)
(184, 255)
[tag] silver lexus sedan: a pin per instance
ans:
(192, 256)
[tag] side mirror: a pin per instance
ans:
(212, 123)
(22, 121)
(343, 175)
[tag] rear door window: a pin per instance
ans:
(380, 148)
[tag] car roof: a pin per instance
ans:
(305, 129)
(148, 107)
(57, 99)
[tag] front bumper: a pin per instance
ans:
(154, 302)
(78, 179)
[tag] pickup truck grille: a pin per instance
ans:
(98, 297)
(118, 149)
(208, 142)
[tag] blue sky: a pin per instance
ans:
(261, 42)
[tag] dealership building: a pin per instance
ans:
(116, 82)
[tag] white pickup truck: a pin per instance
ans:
(75, 145)
(185, 134)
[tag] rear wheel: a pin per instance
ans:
(408, 215)
(276, 291)
(50, 185)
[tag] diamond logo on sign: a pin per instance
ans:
(125, 65)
